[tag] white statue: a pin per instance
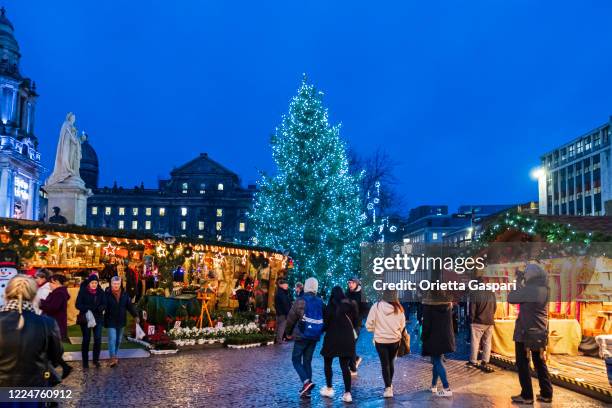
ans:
(68, 156)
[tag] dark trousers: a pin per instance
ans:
(353, 362)
(522, 364)
(302, 358)
(387, 353)
(344, 366)
(97, 342)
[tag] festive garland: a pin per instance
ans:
(25, 248)
(550, 231)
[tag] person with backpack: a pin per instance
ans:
(340, 319)
(387, 320)
(531, 333)
(305, 325)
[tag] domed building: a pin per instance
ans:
(89, 169)
(20, 166)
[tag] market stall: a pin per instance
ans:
(166, 272)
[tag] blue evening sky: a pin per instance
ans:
(465, 95)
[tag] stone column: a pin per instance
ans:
(4, 192)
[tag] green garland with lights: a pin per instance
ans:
(551, 232)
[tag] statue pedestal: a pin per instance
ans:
(70, 196)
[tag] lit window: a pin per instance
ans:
(107, 210)
(147, 225)
(183, 225)
(202, 188)
(434, 236)
(148, 211)
(121, 224)
(162, 211)
(200, 225)
(219, 225)
(134, 224)
(202, 191)
(94, 210)
(185, 187)
(200, 236)
(242, 227)
(135, 211)
(219, 212)
(121, 210)
(220, 186)
(183, 211)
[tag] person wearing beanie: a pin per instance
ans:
(91, 299)
(305, 325)
(386, 320)
(356, 295)
(33, 345)
(531, 333)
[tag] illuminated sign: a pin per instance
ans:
(21, 188)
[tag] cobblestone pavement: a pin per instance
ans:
(264, 377)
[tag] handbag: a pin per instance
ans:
(355, 335)
(536, 339)
(404, 346)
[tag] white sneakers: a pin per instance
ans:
(327, 392)
(446, 392)
(434, 390)
(347, 397)
(388, 392)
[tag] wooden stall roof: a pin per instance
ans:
(111, 233)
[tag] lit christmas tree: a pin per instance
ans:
(311, 207)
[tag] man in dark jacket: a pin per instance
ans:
(355, 294)
(118, 303)
(298, 324)
(531, 333)
(482, 315)
(282, 305)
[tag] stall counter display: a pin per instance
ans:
(564, 337)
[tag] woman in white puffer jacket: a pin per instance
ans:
(386, 319)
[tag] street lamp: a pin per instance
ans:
(537, 172)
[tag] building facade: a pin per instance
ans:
(21, 171)
(574, 178)
(201, 199)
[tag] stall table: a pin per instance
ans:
(567, 340)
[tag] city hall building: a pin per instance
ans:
(575, 178)
(21, 171)
(201, 199)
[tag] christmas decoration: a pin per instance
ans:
(312, 206)
(549, 231)
(109, 250)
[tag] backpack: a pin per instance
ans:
(311, 324)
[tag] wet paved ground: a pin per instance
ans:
(264, 377)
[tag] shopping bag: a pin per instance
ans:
(139, 332)
(91, 320)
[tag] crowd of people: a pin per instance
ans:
(35, 308)
(308, 319)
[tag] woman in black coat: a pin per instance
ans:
(91, 299)
(340, 319)
(438, 339)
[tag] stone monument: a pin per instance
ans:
(65, 188)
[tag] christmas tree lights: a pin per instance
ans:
(311, 207)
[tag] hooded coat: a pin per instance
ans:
(55, 306)
(533, 301)
(437, 335)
